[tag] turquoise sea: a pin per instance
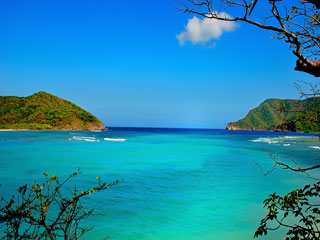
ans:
(177, 183)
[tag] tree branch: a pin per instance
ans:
(300, 38)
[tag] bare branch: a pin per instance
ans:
(278, 163)
(298, 27)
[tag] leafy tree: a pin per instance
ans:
(47, 210)
(302, 204)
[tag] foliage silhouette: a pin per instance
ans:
(47, 210)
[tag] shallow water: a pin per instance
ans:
(177, 183)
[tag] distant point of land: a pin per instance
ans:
(44, 111)
(282, 115)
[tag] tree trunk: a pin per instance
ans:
(312, 67)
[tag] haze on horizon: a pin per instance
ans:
(141, 63)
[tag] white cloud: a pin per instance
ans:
(204, 30)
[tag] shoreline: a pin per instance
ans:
(12, 130)
(106, 129)
(51, 130)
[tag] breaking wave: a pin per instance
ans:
(87, 139)
(267, 140)
(115, 139)
(315, 147)
(286, 140)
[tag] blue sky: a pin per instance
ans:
(122, 61)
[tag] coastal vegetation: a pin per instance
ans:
(43, 111)
(282, 115)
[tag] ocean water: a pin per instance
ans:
(177, 183)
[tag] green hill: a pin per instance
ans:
(282, 115)
(44, 111)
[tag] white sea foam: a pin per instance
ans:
(87, 139)
(260, 140)
(286, 145)
(315, 147)
(90, 140)
(115, 139)
(283, 139)
(267, 140)
(297, 137)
